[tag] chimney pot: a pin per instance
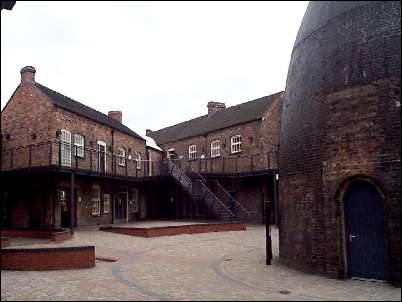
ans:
(28, 74)
(148, 132)
(117, 115)
(215, 106)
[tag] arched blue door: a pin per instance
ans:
(364, 215)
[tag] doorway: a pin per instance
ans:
(365, 233)
(120, 207)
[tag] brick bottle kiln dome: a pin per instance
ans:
(339, 162)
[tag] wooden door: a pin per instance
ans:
(364, 215)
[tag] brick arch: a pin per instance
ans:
(341, 189)
(345, 183)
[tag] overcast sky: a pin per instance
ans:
(158, 62)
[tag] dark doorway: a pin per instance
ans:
(364, 217)
(65, 208)
(120, 208)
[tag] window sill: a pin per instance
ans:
(121, 165)
(95, 215)
(236, 152)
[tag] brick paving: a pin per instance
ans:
(208, 266)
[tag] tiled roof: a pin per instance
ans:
(224, 118)
(81, 109)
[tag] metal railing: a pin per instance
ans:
(231, 164)
(69, 156)
(223, 195)
(199, 191)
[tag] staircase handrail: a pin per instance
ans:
(172, 165)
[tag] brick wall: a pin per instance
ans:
(340, 121)
(38, 259)
(27, 113)
(30, 112)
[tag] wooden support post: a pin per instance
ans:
(90, 160)
(50, 153)
(76, 156)
(60, 153)
(30, 156)
(72, 206)
(223, 165)
(12, 158)
(268, 245)
(275, 185)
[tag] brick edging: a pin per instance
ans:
(52, 258)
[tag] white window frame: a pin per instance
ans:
(65, 148)
(192, 152)
(122, 157)
(79, 143)
(103, 144)
(138, 160)
(95, 201)
(235, 144)
(106, 204)
(215, 148)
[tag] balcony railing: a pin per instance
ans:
(232, 164)
(63, 155)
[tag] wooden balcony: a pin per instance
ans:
(254, 164)
(59, 156)
(55, 155)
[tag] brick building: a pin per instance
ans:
(340, 151)
(235, 148)
(54, 147)
(78, 166)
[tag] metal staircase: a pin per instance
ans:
(215, 197)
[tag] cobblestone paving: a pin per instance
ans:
(208, 266)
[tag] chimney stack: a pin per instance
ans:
(117, 115)
(27, 74)
(148, 132)
(215, 106)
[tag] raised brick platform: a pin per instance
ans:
(175, 230)
(48, 258)
(55, 235)
(5, 242)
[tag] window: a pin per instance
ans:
(192, 152)
(95, 200)
(215, 148)
(106, 203)
(101, 156)
(65, 148)
(122, 157)
(79, 145)
(235, 144)
(138, 161)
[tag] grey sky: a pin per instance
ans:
(158, 62)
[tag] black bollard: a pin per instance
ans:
(268, 232)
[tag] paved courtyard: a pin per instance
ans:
(208, 266)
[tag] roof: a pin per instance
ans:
(76, 107)
(224, 118)
(151, 143)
